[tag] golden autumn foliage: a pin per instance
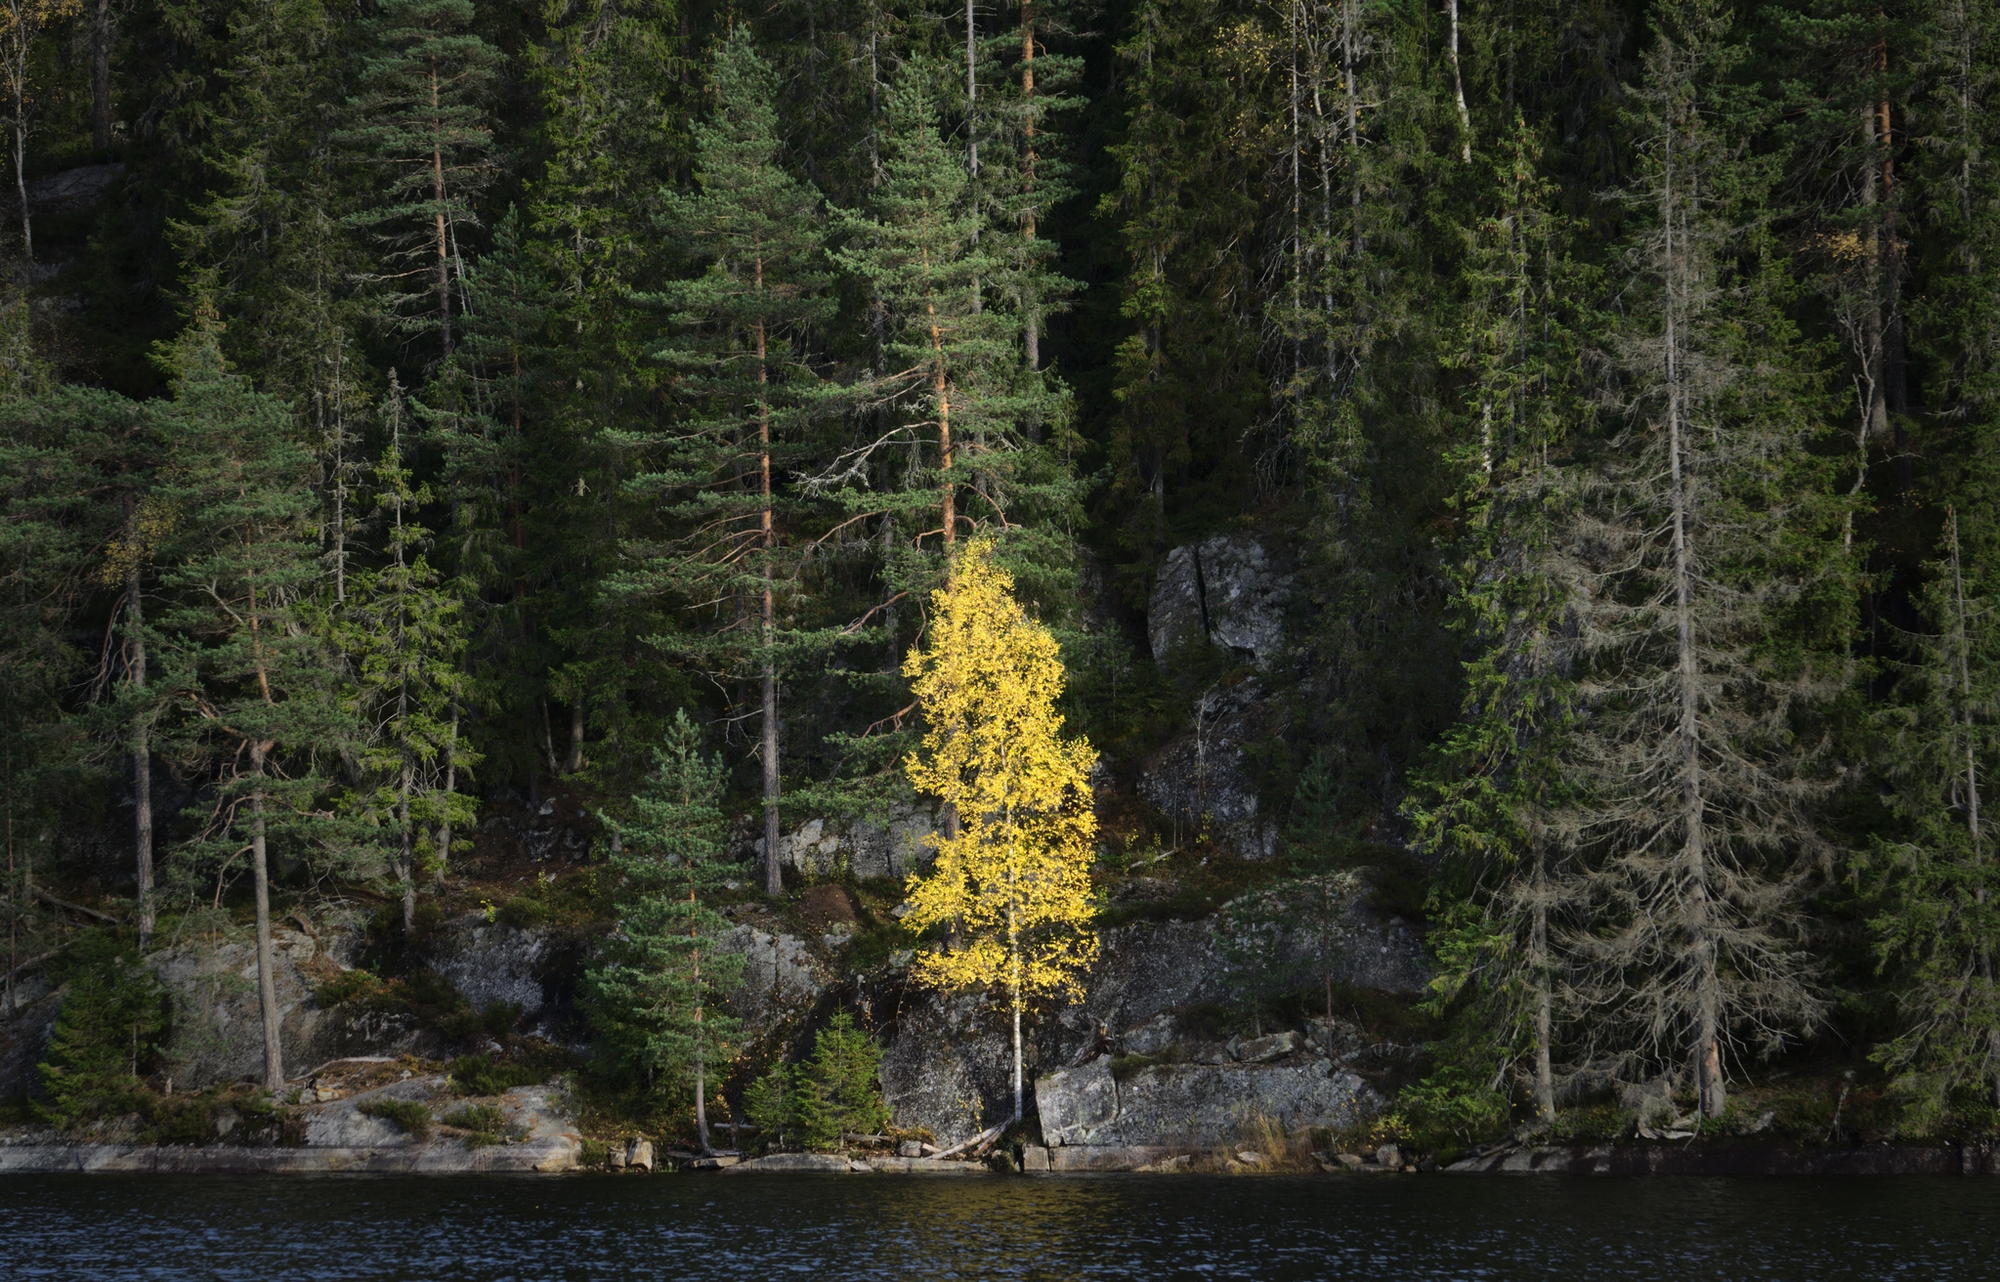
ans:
(1015, 879)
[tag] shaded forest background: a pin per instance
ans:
(1521, 326)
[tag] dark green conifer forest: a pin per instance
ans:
(410, 408)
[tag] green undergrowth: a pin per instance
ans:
(837, 1090)
(424, 995)
(575, 900)
(107, 1034)
(410, 1116)
(483, 1123)
(528, 1062)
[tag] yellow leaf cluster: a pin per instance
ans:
(1015, 880)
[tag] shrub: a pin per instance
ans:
(105, 1034)
(180, 1119)
(499, 1019)
(485, 1075)
(838, 1089)
(411, 1117)
(523, 912)
(1450, 1103)
(484, 1121)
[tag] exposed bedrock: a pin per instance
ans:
(218, 1033)
(949, 1062)
(1202, 777)
(1229, 592)
(1198, 1104)
(490, 963)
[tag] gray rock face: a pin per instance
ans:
(781, 978)
(823, 848)
(1197, 1104)
(794, 1164)
(490, 962)
(541, 1137)
(1228, 590)
(342, 1124)
(24, 1036)
(218, 1034)
(949, 1067)
(1202, 776)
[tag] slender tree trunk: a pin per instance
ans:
(406, 871)
(450, 787)
(21, 170)
(700, 1045)
(1014, 953)
(1895, 354)
(574, 762)
(1458, 87)
(1350, 36)
(443, 236)
(971, 96)
(774, 872)
(1031, 332)
(100, 77)
(948, 500)
(267, 988)
(1693, 876)
(16, 897)
(142, 757)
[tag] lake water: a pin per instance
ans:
(691, 1227)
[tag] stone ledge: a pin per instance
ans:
(444, 1158)
(1095, 1157)
(794, 1164)
(1774, 1159)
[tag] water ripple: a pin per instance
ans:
(496, 1229)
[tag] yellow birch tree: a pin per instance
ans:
(1015, 877)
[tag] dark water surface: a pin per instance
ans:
(475, 1228)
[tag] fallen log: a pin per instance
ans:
(53, 902)
(986, 1136)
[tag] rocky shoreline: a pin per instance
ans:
(559, 1152)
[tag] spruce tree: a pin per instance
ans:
(612, 84)
(1490, 799)
(654, 999)
(1940, 884)
(952, 351)
(425, 80)
(404, 632)
(738, 353)
(1717, 592)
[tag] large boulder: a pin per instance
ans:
(1198, 1104)
(891, 848)
(1228, 591)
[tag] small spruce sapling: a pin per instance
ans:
(655, 995)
